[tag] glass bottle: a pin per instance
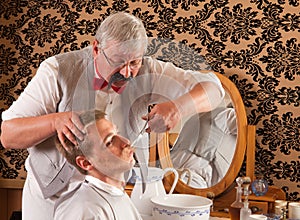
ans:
(245, 211)
(259, 186)
(235, 207)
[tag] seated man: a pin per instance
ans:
(103, 156)
(206, 146)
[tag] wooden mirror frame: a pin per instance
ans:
(164, 150)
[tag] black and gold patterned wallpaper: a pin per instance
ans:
(255, 43)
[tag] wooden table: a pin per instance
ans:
(264, 204)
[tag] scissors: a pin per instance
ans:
(141, 133)
(142, 158)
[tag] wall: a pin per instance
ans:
(254, 43)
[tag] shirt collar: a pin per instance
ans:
(112, 190)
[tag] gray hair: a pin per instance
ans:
(122, 27)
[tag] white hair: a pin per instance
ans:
(122, 28)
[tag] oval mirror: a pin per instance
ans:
(208, 155)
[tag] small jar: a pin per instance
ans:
(259, 186)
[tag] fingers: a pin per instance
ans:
(162, 117)
(157, 124)
(148, 130)
(69, 127)
(63, 142)
(145, 117)
(69, 134)
(76, 121)
(76, 127)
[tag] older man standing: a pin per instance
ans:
(81, 80)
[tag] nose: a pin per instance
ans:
(126, 71)
(123, 142)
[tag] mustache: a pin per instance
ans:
(117, 77)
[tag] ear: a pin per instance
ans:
(96, 50)
(83, 163)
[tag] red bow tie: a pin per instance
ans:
(100, 83)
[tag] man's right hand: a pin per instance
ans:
(68, 126)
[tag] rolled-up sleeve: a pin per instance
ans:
(173, 81)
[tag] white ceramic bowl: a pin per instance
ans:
(180, 206)
(258, 217)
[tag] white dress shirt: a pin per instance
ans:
(97, 200)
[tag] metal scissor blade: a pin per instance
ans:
(142, 157)
(140, 135)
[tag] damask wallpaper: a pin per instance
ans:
(255, 43)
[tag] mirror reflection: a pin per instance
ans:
(205, 146)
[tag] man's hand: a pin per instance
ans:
(163, 117)
(68, 126)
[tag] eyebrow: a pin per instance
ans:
(111, 134)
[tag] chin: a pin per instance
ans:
(129, 165)
(126, 166)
